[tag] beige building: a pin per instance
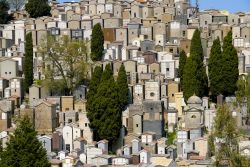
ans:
(162, 160)
(45, 117)
(80, 105)
(179, 103)
(152, 90)
(201, 145)
(172, 87)
(37, 92)
(67, 103)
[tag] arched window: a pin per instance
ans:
(193, 116)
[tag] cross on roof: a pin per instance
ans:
(44, 142)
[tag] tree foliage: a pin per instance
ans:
(94, 82)
(4, 16)
(23, 148)
(28, 62)
(225, 137)
(189, 78)
(243, 93)
(106, 103)
(97, 41)
(93, 85)
(182, 62)
(194, 75)
(230, 71)
(107, 117)
(214, 68)
(38, 8)
(223, 67)
(65, 61)
(122, 86)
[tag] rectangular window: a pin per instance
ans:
(183, 33)
(68, 147)
(76, 34)
(81, 133)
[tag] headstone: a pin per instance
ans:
(205, 102)
(220, 99)
(103, 144)
(136, 146)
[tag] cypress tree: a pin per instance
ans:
(23, 148)
(182, 62)
(189, 78)
(107, 118)
(214, 69)
(37, 8)
(107, 73)
(110, 113)
(195, 78)
(122, 86)
(97, 41)
(230, 71)
(196, 50)
(93, 85)
(94, 82)
(28, 62)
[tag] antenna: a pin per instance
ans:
(197, 5)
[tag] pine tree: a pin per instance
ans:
(214, 69)
(97, 41)
(28, 62)
(23, 148)
(38, 8)
(182, 62)
(230, 71)
(122, 86)
(194, 75)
